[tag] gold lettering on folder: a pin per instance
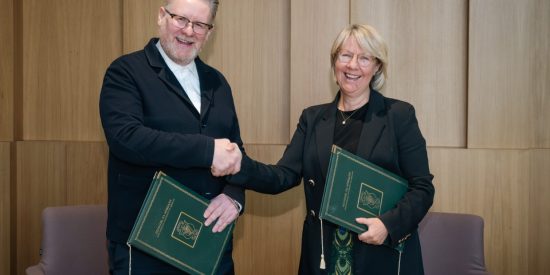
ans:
(345, 200)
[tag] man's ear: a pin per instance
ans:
(160, 16)
(208, 34)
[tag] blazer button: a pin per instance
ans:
(312, 213)
(311, 182)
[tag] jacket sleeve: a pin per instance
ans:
(121, 110)
(234, 191)
(402, 220)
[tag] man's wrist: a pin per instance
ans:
(237, 205)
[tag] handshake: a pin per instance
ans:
(227, 158)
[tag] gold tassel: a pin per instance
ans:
(322, 265)
(129, 260)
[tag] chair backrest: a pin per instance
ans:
(452, 244)
(73, 241)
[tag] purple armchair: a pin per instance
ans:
(452, 244)
(73, 241)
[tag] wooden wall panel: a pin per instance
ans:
(539, 207)
(315, 24)
(508, 74)
(490, 92)
(139, 23)
(495, 185)
(541, 74)
(268, 236)
(86, 176)
(67, 45)
(251, 47)
(427, 42)
(53, 174)
(6, 70)
(5, 208)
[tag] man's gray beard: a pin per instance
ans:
(169, 50)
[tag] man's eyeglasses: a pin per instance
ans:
(182, 22)
(363, 60)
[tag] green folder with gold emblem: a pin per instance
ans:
(170, 226)
(357, 188)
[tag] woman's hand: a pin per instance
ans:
(376, 233)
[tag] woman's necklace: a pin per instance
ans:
(344, 118)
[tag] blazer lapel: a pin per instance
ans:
(164, 73)
(207, 89)
(324, 133)
(168, 77)
(375, 122)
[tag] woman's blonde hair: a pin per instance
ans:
(372, 43)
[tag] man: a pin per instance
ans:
(162, 108)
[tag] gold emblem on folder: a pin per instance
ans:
(187, 230)
(370, 199)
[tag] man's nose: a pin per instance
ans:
(188, 29)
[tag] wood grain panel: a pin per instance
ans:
(5, 208)
(139, 23)
(315, 24)
(541, 74)
(495, 185)
(427, 43)
(53, 174)
(6, 70)
(86, 177)
(539, 207)
(268, 236)
(67, 45)
(40, 183)
(507, 72)
(251, 47)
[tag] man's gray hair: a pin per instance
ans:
(213, 7)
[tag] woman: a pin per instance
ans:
(382, 130)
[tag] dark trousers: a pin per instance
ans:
(143, 264)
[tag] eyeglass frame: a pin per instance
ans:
(206, 26)
(370, 59)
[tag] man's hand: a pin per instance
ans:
(377, 232)
(223, 209)
(227, 158)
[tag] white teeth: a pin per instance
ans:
(183, 40)
(352, 76)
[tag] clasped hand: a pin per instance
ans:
(227, 158)
(377, 232)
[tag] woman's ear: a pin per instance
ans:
(378, 67)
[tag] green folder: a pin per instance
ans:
(170, 226)
(357, 188)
